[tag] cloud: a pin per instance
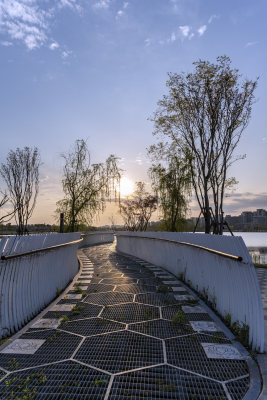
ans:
(102, 4)
(54, 46)
(125, 5)
(238, 202)
(6, 43)
(72, 4)
(185, 30)
(65, 54)
(249, 44)
(202, 30)
(120, 14)
(212, 17)
(139, 160)
(27, 22)
(147, 42)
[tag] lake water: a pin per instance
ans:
(252, 239)
(256, 240)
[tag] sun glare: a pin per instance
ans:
(126, 187)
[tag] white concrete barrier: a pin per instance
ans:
(96, 237)
(28, 283)
(231, 285)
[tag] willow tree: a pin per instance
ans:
(171, 183)
(205, 114)
(86, 186)
(21, 175)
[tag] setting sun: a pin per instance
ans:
(126, 186)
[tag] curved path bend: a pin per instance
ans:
(125, 329)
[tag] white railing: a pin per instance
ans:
(219, 266)
(91, 238)
(32, 270)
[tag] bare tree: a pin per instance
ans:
(137, 212)
(8, 214)
(205, 114)
(171, 182)
(21, 175)
(86, 186)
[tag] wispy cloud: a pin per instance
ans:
(186, 32)
(212, 17)
(65, 54)
(54, 46)
(72, 4)
(102, 4)
(6, 43)
(147, 42)
(120, 14)
(202, 29)
(238, 202)
(185, 29)
(27, 22)
(249, 44)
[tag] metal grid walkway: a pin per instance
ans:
(124, 330)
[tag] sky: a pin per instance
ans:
(95, 69)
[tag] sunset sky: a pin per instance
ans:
(95, 69)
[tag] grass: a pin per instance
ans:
(179, 318)
(258, 265)
(2, 341)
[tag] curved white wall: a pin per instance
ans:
(233, 284)
(91, 238)
(30, 283)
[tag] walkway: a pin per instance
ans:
(124, 330)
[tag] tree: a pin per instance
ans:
(86, 186)
(21, 175)
(8, 214)
(137, 212)
(171, 183)
(205, 114)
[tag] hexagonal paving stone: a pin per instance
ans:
(169, 311)
(120, 351)
(99, 288)
(2, 374)
(164, 382)
(57, 346)
(109, 275)
(118, 281)
(156, 299)
(91, 326)
(239, 388)
(161, 328)
(84, 310)
(109, 298)
(66, 380)
(135, 288)
(131, 312)
(187, 352)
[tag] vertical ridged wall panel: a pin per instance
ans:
(233, 284)
(30, 283)
(97, 237)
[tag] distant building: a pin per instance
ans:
(247, 217)
(249, 220)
